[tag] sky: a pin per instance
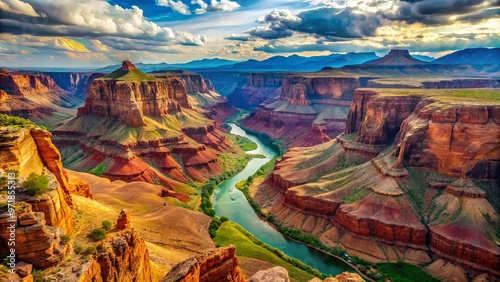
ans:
(96, 33)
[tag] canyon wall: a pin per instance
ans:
(218, 265)
(259, 88)
(360, 189)
(130, 101)
(76, 83)
(27, 85)
(309, 110)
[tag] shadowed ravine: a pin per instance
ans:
(230, 202)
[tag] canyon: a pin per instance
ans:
(146, 128)
(405, 181)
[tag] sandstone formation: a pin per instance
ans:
(218, 265)
(359, 190)
(342, 277)
(310, 110)
(123, 221)
(135, 126)
(37, 242)
(27, 85)
(275, 274)
(124, 257)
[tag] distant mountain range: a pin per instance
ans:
(475, 56)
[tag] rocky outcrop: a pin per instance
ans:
(27, 85)
(218, 265)
(342, 277)
(130, 101)
(124, 257)
(37, 242)
(455, 139)
(310, 110)
(123, 221)
(275, 274)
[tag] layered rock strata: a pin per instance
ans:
(259, 88)
(218, 265)
(309, 111)
(360, 189)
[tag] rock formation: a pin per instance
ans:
(27, 85)
(309, 111)
(123, 221)
(124, 257)
(396, 57)
(218, 265)
(135, 126)
(258, 88)
(401, 181)
(275, 274)
(76, 83)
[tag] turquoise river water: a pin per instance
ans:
(230, 202)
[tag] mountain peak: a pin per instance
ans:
(396, 57)
(128, 66)
(399, 52)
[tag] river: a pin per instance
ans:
(230, 202)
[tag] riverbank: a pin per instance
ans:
(230, 202)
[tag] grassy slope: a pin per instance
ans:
(248, 246)
(132, 75)
(490, 96)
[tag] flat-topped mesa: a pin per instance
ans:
(27, 85)
(129, 94)
(395, 58)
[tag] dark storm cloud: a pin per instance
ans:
(435, 12)
(327, 22)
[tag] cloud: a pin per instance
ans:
(239, 37)
(18, 7)
(322, 22)
(176, 6)
(221, 5)
(95, 19)
(431, 12)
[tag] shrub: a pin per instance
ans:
(223, 219)
(65, 238)
(36, 184)
(98, 234)
(106, 224)
(78, 248)
(38, 275)
(90, 250)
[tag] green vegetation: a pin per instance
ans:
(98, 170)
(447, 95)
(6, 120)
(78, 247)
(249, 246)
(214, 226)
(38, 275)
(98, 234)
(403, 272)
(36, 184)
(65, 238)
(106, 224)
(355, 196)
(135, 75)
(257, 156)
(245, 143)
(208, 188)
(90, 250)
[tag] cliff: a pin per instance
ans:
(76, 83)
(396, 57)
(27, 85)
(258, 88)
(140, 127)
(218, 265)
(310, 110)
(124, 257)
(376, 190)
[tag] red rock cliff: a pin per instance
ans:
(27, 85)
(218, 265)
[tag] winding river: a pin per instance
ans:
(230, 202)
